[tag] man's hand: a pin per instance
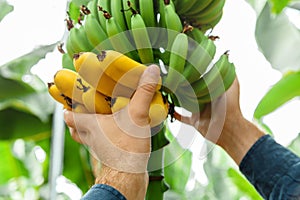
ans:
(121, 141)
(222, 122)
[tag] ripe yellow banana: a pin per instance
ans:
(87, 65)
(95, 102)
(67, 102)
(158, 111)
(59, 97)
(67, 83)
(120, 68)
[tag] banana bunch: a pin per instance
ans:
(204, 14)
(115, 40)
(103, 83)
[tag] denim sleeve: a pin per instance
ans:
(103, 192)
(272, 169)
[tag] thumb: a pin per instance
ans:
(141, 100)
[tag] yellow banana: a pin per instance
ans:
(59, 97)
(95, 102)
(67, 83)
(118, 103)
(120, 68)
(67, 102)
(158, 111)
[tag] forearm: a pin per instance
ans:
(238, 137)
(132, 185)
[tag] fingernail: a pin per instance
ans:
(153, 70)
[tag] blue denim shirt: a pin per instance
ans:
(271, 168)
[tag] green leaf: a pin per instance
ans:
(277, 39)
(16, 124)
(284, 90)
(19, 68)
(242, 184)
(5, 9)
(9, 167)
(295, 145)
(178, 163)
(278, 5)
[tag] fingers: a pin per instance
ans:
(181, 118)
(140, 102)
(75, 136)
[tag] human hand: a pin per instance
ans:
(121, 140)
(218, 118)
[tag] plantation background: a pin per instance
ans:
(29, 58)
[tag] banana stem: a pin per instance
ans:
(157, 185)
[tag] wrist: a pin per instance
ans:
(238, 137)
(131, 185)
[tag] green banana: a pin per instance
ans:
(173, 24)
(95, 33)
(69, 47)
(213, 78)
(116, 10)
(141, 39)
(188, 102)
(146, 9)
(92, 6)
(204, 26)
(222, 87)
(213, 8)
(177, 59)
(103, 6)
(79, 40)
(183, 6)
(196, 34)
(127, 7)
(198, 7)
(119, 39)
(199, 60)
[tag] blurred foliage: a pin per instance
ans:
(5, 9)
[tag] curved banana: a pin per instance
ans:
(119, 67)
(88, 67)
(93, 7)
(177, 59)
(189, 103)
(127, 7)
(199, 60)
(222, 87)
(214, 7)
(70, 84)
(210, 24)
(118, 38)
(146, 9)
(198, 7)
(183, 6)
(95, 33)
(213, 78)
(59, 97)
(173, 24)
(196, 34)
(116, 10)
(69, 47)
(141, 39)
(158, 111)
(103, 7)
(79, 40)
(95, 102)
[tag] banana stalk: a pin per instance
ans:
(157, 185)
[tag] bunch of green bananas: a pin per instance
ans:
(171, 34)
(204, 14)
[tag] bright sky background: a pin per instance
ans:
(41, 22)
